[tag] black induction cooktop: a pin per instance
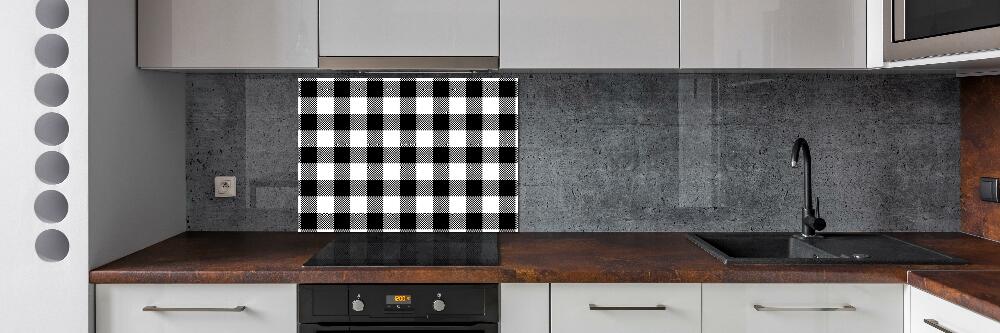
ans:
(409, 249)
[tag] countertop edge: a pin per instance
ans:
(941, 283)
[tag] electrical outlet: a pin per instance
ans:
(988, 189)
(225, 187)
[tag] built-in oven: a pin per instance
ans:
(387, 308)
(928, 28)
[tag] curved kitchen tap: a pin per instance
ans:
(810, 221)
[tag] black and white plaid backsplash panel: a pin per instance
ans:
(381, 154)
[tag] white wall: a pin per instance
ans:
(38, 295)
(126, 129)
(137, 186)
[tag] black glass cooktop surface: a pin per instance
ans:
(409, 249)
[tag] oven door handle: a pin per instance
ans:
(485, 328)
(312, 328)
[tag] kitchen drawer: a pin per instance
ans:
(269, 308)
(797, 308)
(626, 307)
(948, 316)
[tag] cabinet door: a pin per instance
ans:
(930, 314)
(524, 308)
(802, 308)
(227, 33)
(189, 308)
(773, 34)
(626, 308)
(408, 28)
(589, 34)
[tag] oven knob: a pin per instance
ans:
(358, 305)
(438, 305)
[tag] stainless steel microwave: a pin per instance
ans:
(929, 28)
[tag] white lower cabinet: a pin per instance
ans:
(626, 308)
(802, 308)
(190, 308)
(569, 307)
(930, 314)
(524, 308)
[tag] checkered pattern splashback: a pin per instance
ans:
(408, 154)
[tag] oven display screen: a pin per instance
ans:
(398, 299)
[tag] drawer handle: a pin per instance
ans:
(154, 308)
(658, 307)
(759, 307)
(935, 324)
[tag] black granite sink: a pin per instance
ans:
(833, 248)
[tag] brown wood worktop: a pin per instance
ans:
(978, 291)
(270, 257)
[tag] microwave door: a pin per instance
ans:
(915, 29)
(916, 19)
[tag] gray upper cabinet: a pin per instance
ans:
(192, 34)
(509, 34)
(570, 34)
(409, 28)
(774, 34)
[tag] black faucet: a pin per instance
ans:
(810, 221)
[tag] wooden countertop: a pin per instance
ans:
(268, 257)
(974, 290)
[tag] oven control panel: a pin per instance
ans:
(398, 303)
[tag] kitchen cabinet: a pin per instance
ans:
(819, 308)
(126, 308)
(930, 314)
(524, 308)
(589, 34)
(625, 307)
(778, 34)
(192, 34)
(508, 34)
(405, 28)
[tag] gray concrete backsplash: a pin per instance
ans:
(638, 152)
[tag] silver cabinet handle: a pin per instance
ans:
(159, 309)
(935, 324)
(759, 307)
(657, 307)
